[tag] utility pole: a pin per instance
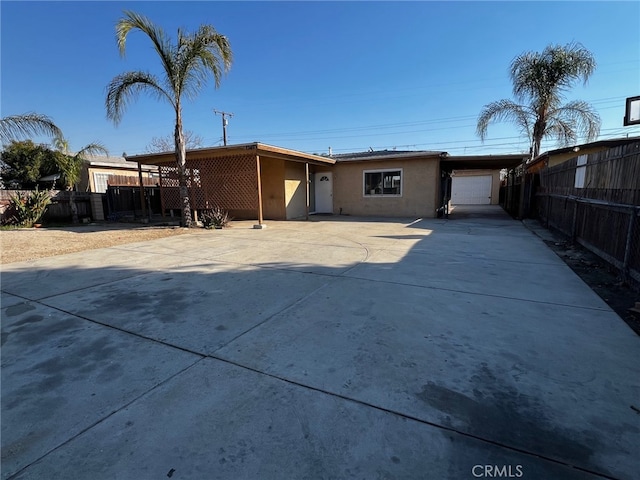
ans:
(225, 122)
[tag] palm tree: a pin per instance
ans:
(70, 166)
(539, 83)
(17, 126)
(186, 64)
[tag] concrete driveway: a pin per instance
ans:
(332, 349)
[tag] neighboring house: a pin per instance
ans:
(98, 172)
(561, 155)
(266, 182)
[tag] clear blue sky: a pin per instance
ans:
(309, 75)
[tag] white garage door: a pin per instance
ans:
(471, 190)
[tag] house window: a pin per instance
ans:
(380, 183)
(100, 181)
(581, 170)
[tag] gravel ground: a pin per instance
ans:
(31, 243)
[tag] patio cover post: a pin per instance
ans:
(141, 190)
(306, 177)
(260, 217)
(160, 190)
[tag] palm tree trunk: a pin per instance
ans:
(181, 160)
(73, 206)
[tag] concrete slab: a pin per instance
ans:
(62, 375)
(206, 423)
(468, 273)
(319, 259)
(51, 276)
(345, 347)
(8, 300)
(504, 370)
(197, 307)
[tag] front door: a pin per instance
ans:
(324, 192)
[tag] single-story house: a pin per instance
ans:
(259, 181)
(250, 181)
(387, 183)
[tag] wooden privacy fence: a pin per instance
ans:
(595, 200)
(58, 210)
(125, 202)
(510, 192)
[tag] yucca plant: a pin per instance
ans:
(215, 218)
(29, 207)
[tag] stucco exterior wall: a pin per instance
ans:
(272, 172)
(495, 181)
(295, 190)
(420, 187)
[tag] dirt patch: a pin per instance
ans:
(24, 244)
(603, 279)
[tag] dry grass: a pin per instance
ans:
(30, 243)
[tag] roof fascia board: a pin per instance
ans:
(397, 156)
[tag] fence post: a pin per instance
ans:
(548, 211)
(574, 221)
(627, 248)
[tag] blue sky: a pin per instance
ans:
(310, 75)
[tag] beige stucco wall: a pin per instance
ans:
(272, 172)
(295, 193)
(495, 181)
(420, 187)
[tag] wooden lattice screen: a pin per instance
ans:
(227, 182)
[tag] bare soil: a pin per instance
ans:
(603, 278)
(24, 244)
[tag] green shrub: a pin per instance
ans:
(29, 207)
(215, 218)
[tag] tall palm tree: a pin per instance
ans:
(20, 126)
(539, 83)
(70, 166)
(186, 64)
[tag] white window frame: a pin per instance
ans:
(100, 181)
(581, 171)
(382, 170)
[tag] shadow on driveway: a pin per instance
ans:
(326, 349)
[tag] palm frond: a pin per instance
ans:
(504, 110)
(203, 53)
(92, 149)
(134, 21)
(71, 164)
(126, 87)
(543, 76)
(29, 124)
(582, 118)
